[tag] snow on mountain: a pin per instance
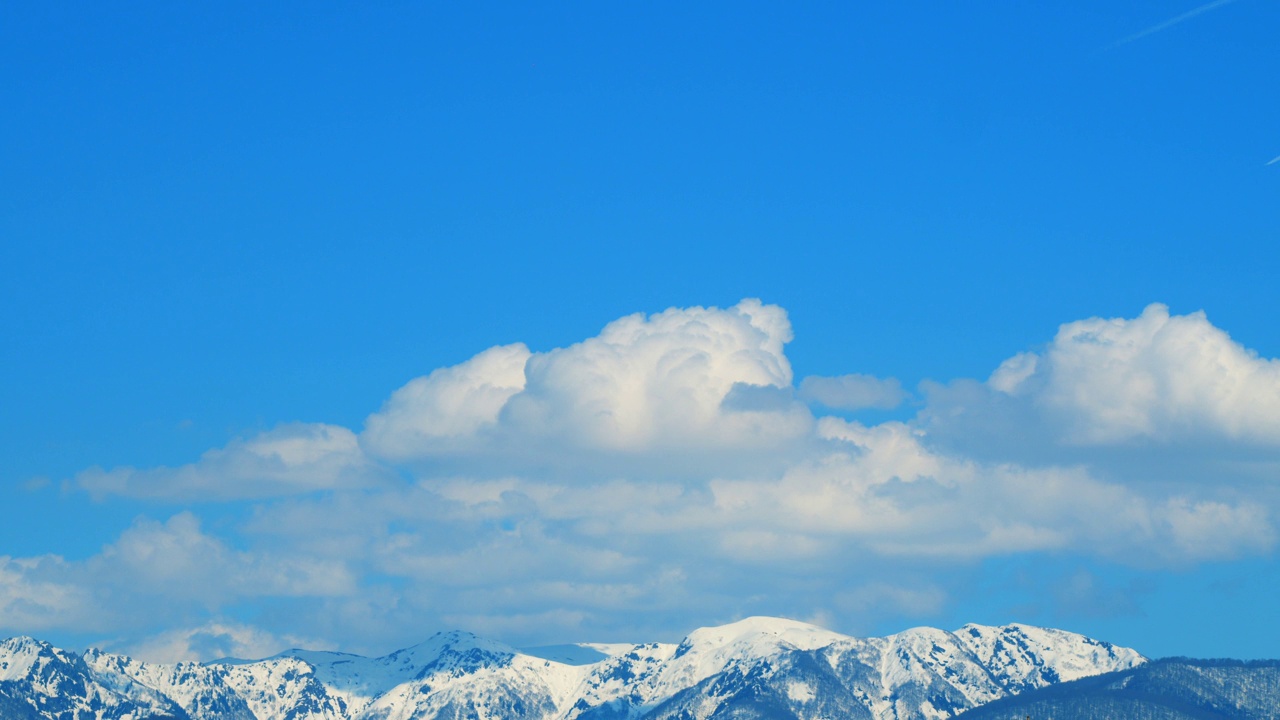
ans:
(709, 649)
(451, 675)
(757, 667)
(20, 654)
(201, 690)
(358, 681)
(648, 674)
(38, 680)
(1035, 657)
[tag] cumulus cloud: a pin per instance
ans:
(661, 381)
(853, 392)
(666, 468)
(1155, 377)
(292, 458)
(448, 411)
(688, 383)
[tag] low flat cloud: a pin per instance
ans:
(289, 459)
(156, 572)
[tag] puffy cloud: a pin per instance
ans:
(1156, 377)
(661, 382)
(444, 412)
(666, 469)
(292, 458)
(853, 392)
(687, 383)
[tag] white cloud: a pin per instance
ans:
(442, 413)
(661, 381)
(664, 469)
(687, 383)
(1208, 530)
(291, 458)
(30, 601)
(1155, 377)
(853, 392)
(178, 559)
(892, 495)
(155, 572)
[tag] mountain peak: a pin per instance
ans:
(24, 643)
(450, 642)
(18, 655)
(763, 630)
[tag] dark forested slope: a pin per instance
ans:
(1168, 689)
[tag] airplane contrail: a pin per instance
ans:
(1173, 21)
(1274, 160)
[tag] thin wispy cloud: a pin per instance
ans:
(1274, 160)
(1173, 21)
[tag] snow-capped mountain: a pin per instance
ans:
(38, 680)
(755, 668)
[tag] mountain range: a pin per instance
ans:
(755, 668)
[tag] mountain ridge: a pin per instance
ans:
(757, 667)
(1175, 688)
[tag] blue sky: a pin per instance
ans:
(243, 229)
